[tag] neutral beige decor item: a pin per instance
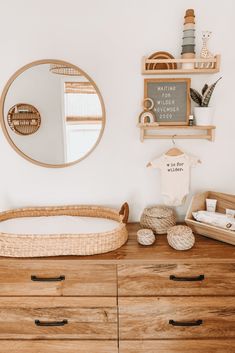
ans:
(32, 245)
(205, 53)
(198, 203)
(180, 237)
(145, 237)
(77, 122)
(158, 218)
(63, 69)
(188, 45)
(24, 119)
(154, 131)
(148, 64)
(161, 66)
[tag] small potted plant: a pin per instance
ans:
(203, 113)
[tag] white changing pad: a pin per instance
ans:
(57, 225)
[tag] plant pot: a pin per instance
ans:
(203, 115)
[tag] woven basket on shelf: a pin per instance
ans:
(38, 245)
(158, 218)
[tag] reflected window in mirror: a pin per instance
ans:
(83, 117)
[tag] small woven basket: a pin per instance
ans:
(145, 237)
(158, 218)
(180, 237)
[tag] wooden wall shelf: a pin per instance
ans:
(214, 63)
(78, 120)
(181, 132)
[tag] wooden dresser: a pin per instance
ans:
(133, 300)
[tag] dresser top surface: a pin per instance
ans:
(205, 250)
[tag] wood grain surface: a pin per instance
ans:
(205, 251)
(61, 346)
(148, 318)
(154, 280)
(177, 346)
(148, 299)
(198, 202)
(88, 318)
(80, 279)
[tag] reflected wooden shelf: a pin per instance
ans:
(78, 120)
(154, 131)
(213, 66)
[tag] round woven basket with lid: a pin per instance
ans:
(145, 237)
(180, 237)
(158, 218)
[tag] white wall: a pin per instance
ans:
(107, 38)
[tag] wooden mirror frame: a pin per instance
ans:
(3, 123)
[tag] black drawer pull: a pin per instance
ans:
(52, 323)
(187, 279)
(52, 279)
(185, 323)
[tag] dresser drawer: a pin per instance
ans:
(58, 318)
(56, 278)
(179, 346)
(187, 317)
(62, 346)
(176, 279)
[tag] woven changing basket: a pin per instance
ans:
(38, 245)
(158, 218)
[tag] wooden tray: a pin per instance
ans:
(199, 203)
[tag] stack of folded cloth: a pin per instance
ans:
(188, 47)
(215, 219)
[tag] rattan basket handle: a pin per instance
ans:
(124, 212)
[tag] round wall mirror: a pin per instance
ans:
(52, 113)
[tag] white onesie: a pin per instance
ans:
(175, 177)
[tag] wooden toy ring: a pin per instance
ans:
(148, 100)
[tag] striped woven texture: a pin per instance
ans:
(41, 245)
(158, 218)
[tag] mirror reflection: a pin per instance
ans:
(53, 113)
